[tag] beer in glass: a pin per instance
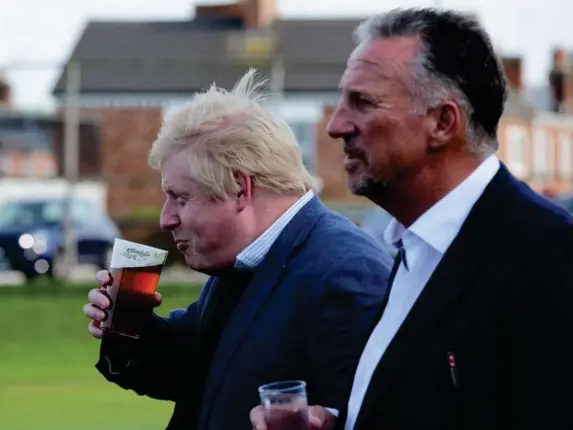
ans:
(135, 271)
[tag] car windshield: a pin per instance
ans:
(30, 214)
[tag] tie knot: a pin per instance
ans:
(401, 253)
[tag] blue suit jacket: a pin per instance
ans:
(306, 315)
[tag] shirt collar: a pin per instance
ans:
(440, 224)
(253, 255)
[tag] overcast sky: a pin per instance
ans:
(43, 32)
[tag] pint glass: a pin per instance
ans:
(135, 270)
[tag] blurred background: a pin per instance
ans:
(83, 90)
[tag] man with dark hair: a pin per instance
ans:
(477, 330)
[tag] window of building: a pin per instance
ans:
(541, 153)
(517, 143)
(565, 154)
(28, 166)
(50, 170)
(7, 165)
(305, 133)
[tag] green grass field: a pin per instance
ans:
(47, 376)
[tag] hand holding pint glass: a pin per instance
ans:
(124, 306)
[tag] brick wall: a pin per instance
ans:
(512, 67)
(258, 13)
(126, 136)
(553, 182)
(255, 13)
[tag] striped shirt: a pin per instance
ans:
(253, 255)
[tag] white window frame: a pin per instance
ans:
(541, 160)
(565, 154)
(306, 141)
(28, 166)
(517, 140)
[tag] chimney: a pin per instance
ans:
(559, 81)
(5, 94)
(220, 11)
(513, 72)
(258, 13)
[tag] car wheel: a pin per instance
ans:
(30, 275)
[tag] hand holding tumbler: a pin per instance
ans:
(285, 405)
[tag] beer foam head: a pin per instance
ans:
(130, 254)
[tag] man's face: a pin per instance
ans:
(383, 138)
(203, 229)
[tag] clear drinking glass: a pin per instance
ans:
(286, 404)
(135, 269)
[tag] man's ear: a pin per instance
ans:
(245, 193)
(446, 124)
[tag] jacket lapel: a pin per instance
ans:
(266, 278)
(207, 306)
(456, 271)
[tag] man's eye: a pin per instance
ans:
(360, 101)
(364, 102)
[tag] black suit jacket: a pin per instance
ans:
(306, 315)
(501, 301)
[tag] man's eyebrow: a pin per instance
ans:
(362, 91)
(167, 188)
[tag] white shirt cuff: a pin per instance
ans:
(333, 411)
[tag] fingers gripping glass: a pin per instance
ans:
(135, 270)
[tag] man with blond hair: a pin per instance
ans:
(293, 288)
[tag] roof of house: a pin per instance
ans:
(186, 56)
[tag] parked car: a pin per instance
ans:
(32, 236)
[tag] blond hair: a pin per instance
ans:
(228, 132)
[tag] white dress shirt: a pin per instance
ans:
(424, 243)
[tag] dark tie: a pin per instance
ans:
(401, 256)
(398, 259)
(229, 290)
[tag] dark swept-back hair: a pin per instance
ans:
(457, 60)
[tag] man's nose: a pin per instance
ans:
(340, 124)
(168, 220)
